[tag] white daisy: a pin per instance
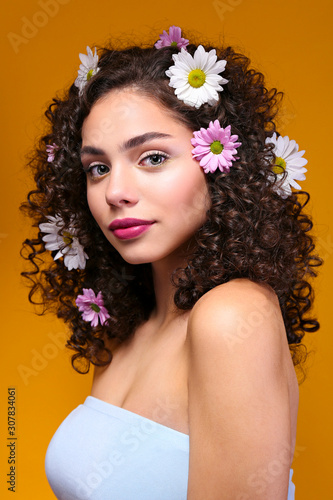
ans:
(63, 239)
(88, 68)
(289, 164)
(196, 79)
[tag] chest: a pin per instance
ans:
(148, 376)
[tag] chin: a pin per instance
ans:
(135, 258)
(135, 261)
(141, 257)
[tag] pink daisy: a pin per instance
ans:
(215, 148)
(174, 39)
(92, 307)
(51, 149)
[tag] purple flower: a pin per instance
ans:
(51, 149)
(92, 307)
(215, 148)
(174, 39)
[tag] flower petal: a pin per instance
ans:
(202, 141)
(287, 150)
(184, 63)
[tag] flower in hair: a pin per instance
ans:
(289, 164)
(58, 237)
(215, 147)
(92, 307)
(196, 79)
(51, 150)
(173, 39)
(88, 68)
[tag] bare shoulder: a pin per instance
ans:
(232, 311)
(235, 296)
(241, 406)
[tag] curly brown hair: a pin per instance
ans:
(250, 231)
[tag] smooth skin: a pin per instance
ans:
(221, 373)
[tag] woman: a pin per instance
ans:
(181, 260)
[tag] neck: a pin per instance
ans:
(165, 310)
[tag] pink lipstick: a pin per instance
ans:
(126, 229)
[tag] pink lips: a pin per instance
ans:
(126, 229)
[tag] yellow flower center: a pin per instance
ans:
(90, 74)
(95, 307)
(216, 147)
(68, 238)
(196, 78)
(173, 44)
(280, 165)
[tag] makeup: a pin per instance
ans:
(126, 229)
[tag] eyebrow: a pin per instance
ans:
(141, 139)
(130, 144)
(91, 150)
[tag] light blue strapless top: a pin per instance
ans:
(103, 452)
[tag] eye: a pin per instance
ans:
(153, 159)
(97, 170)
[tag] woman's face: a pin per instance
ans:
(145, 191)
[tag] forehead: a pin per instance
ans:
(128, 111)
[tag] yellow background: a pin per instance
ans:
(291, 42)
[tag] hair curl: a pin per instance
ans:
(250, 231)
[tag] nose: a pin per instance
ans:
(121, 188)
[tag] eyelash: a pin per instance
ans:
(152, 154)
(89, 170)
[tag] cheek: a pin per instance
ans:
(94, 203)
(90, 201)
(191, 201)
